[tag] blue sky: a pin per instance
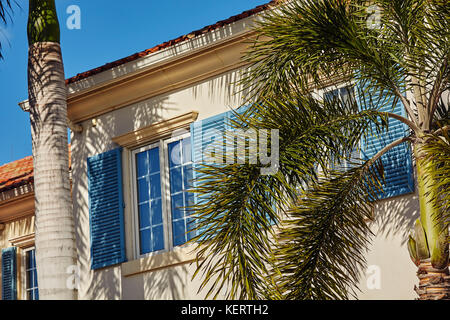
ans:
(110, 30)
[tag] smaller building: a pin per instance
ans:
(18, 267)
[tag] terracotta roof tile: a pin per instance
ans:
(170, 43)
(16, 173)
(19, 173)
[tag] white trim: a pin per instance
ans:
(168, 199)
(162, 144)
(173, 53)
(24, 273)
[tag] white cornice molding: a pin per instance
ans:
(16, 193)
(159, 80)
(175, 52)
(17, 208)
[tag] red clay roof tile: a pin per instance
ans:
(16, 173)
(19, 173)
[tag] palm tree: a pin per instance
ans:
(55, 229)
(313, 246)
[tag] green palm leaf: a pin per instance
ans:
(323, 241)
(235, 223)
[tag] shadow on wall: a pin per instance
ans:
(95, 139)
(396, 216)
(21, 227)
(214, 93)
(164, 284)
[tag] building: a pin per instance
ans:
(129, 117)
(18, 271)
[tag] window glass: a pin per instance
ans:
(31, 276)
(149, 201)
(180, 163)
(158, 222)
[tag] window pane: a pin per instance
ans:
(145, 241)
(30, 259)
(141, 164)
(187, 158)
(179, 232)
(156, 210)
(174, 154)
(36, 294)
(187, 177)
(155, 186)
(143, 185)
(35, 280)
(177, 206)
(144, 216)
(158, 238)
(30, 282)
(190, 225)
(176, 180)
(188, 199)
(153, 155)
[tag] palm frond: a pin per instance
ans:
(323, 241)
(437, 151)
(234, 223)
(308, 43)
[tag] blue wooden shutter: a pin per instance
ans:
(9, 274)
(204, 134)
(397, 163)
(106, 209)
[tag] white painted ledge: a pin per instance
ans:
(179, 256)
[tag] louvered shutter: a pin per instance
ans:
(9, 274)
(106, 208)
(397, 163)
(206, 135)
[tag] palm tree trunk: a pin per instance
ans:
(55, 231)
(433, 256)
(434, 284)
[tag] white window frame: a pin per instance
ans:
(163, 145)
(24, 272)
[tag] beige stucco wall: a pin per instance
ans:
(169, 276)
(208, 97)
(388, 253)
(391, 275)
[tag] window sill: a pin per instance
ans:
(159, 261)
